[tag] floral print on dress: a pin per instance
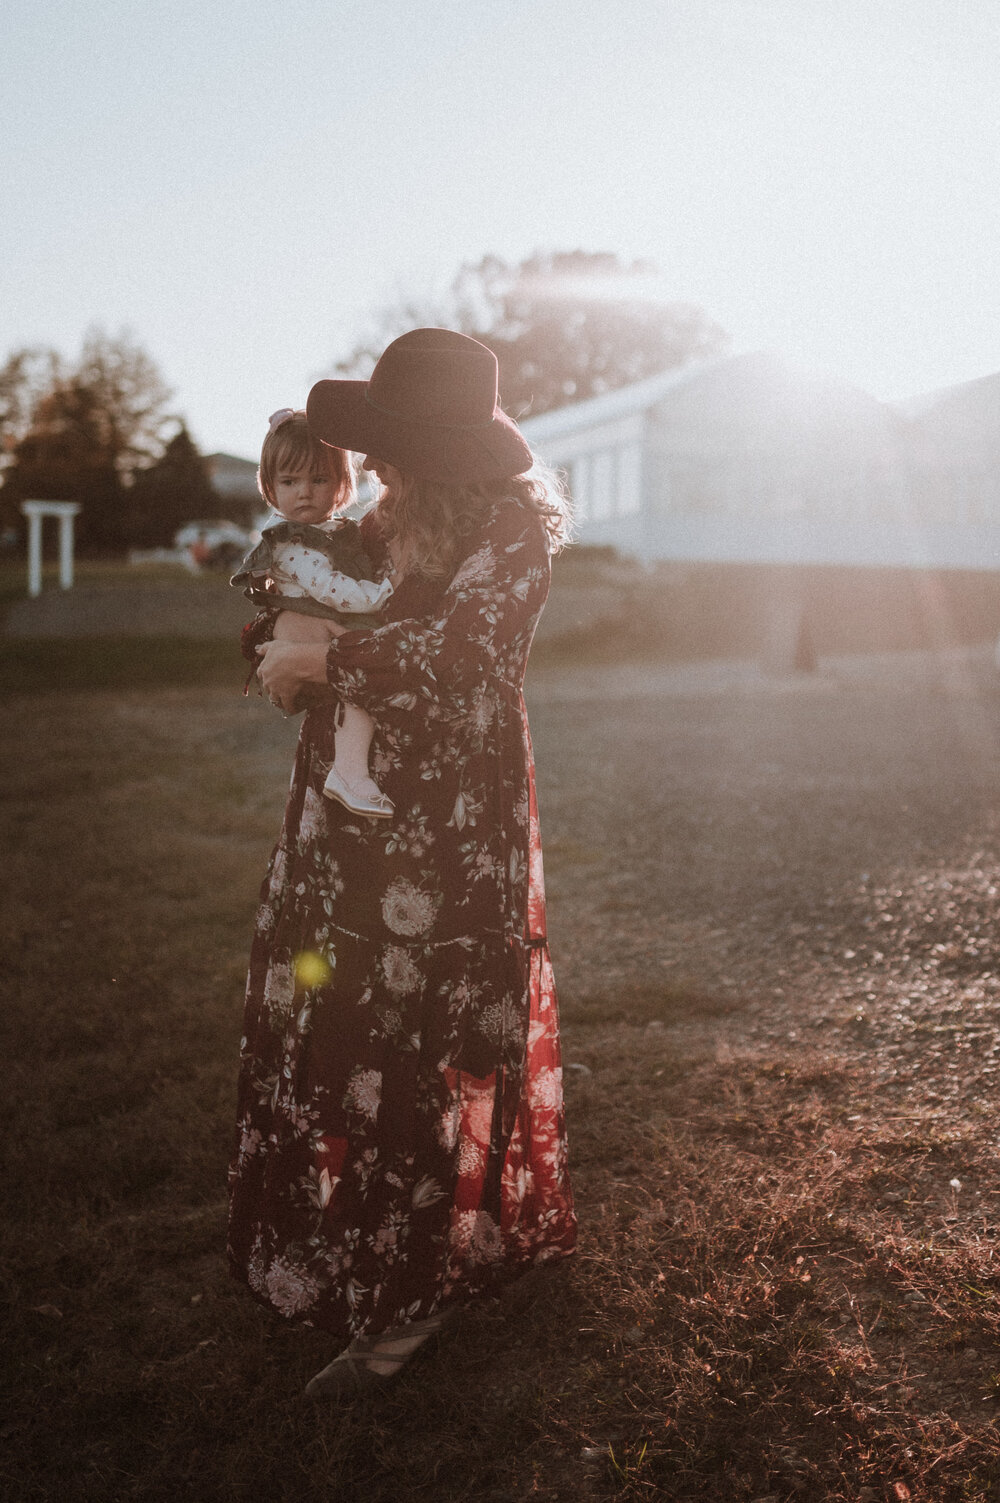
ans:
(401, 1139)
(407, 910)
(291, 1290)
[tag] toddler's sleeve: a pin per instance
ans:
(353, 596)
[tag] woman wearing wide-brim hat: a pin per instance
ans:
(401, 1137)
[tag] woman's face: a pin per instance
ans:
(386, 474)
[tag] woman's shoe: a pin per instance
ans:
(364, 797)
(351, 1375)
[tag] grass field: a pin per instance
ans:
(774, 921)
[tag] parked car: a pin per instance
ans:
(214, 544)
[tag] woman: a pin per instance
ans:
(401, 1132)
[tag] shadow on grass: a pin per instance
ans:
(744, 1316)
(74, 665)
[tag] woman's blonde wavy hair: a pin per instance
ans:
(430, 519)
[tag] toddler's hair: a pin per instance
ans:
(289, 445)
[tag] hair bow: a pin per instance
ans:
(281, 416)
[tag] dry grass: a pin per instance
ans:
(779, 1291)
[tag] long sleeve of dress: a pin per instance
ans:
(442, 668)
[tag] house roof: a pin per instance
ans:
(231, 462)
(982, 393)
(620, 403)
(232, 475)
(765, 366)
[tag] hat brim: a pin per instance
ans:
(339, 413)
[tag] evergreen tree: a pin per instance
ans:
(174, 490)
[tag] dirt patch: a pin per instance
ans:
(731, 830)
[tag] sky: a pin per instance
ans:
(242, 185)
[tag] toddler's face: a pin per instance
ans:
(305, 495)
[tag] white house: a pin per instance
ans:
(234, 481)
(743, 459)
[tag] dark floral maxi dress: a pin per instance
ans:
(401, 1140)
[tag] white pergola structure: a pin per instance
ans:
(65, 511)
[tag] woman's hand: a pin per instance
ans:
(287, 669)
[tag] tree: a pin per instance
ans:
(564, 325)
(80, 434)
(174, 490)
(129, 397)
(25, 377)
(62, 458)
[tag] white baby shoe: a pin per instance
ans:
(363, 797)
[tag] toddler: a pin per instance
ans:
(313, 565)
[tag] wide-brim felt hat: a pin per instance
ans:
(430, 409)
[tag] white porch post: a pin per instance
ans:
(66, 550)
(35, 511)
(34, 549)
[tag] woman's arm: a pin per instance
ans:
(436, 667)
(441, 667)
(286, 669)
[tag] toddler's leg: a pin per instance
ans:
(348, 780)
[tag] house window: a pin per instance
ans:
(629, 480)
(602, 499)
(606, 483)
(580, 487)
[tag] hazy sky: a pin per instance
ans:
(240, 183)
